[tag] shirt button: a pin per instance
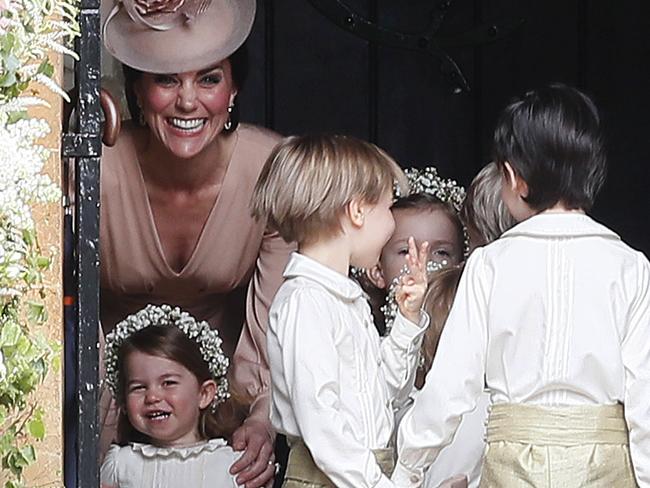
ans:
(414, 478)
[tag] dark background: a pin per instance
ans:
(308, 74)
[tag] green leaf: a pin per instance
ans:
(12, 63)
(36, 312)
(16, 116)
(37, 428)
(10, 334)
(28, 454)
(46, 68)
(7, 43)
(43, 262)
(8, 79)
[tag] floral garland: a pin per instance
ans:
(427, 180)
(206, 338)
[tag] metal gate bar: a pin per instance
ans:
(84, 145)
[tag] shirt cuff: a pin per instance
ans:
(405, 332)
(384, 482)
(405, 478)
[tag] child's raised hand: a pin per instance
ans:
(412, 287)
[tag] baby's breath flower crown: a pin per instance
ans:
(427, 180)
(206, 338)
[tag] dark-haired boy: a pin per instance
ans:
(554, 317)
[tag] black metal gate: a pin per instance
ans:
(81, 151)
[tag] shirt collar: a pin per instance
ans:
(302, 266)
(560, 224)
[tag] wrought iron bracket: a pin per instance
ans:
(81, 145)
(426, 41)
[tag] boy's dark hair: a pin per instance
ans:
(551, 138)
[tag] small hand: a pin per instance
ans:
(256, 467)
(412, 287)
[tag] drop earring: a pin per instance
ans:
(228, 125)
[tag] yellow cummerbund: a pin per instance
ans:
(302, 469)
(557, 447)
(560, 426)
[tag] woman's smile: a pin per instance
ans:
(187, 126)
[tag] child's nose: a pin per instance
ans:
(152, 396)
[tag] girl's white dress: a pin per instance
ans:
(204, 465)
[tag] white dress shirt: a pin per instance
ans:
(464, 455)
(555, 312)
(333, 380)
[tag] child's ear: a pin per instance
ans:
(516, 182)
(376, 276)
(356, 212)
(206, 394)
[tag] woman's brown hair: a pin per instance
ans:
(172, 343)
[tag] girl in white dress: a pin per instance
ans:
(168, 373)
(431, 212)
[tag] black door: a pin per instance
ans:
(309, 72)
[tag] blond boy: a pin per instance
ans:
(333, 380)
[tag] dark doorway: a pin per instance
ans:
(309, 74)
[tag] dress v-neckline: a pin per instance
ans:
(152, 220)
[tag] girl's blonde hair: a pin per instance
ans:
(483, 209)
(308, 180)
(437, 303)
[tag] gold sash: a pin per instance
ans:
(302, 471)
(557, 447)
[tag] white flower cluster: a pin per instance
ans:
(22, 184)
(207, 339)
(389, 309)
(29, 31)
(427, 180)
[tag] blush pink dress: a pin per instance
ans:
(229, 280)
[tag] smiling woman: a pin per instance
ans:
(175, 189)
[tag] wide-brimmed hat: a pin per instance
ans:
(175, 36)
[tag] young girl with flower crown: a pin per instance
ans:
(168, 373)
(427, 211)
(485, 217)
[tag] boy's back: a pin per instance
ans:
(564, 292)
(556, 313)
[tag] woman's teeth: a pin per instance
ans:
(186, 124)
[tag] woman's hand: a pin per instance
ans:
(256, 467)
(412, 287)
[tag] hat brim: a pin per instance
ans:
(209, 38)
